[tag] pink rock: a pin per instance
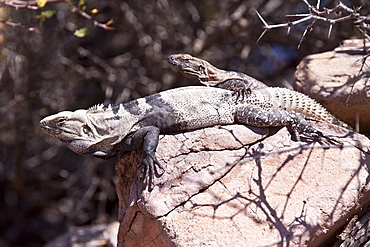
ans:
(233, 186)
(328, 77)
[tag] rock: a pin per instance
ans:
(85, 236)
(236, 186)
(328, 77)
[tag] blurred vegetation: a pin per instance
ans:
(45, 187)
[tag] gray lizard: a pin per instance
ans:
(104, 130)
(209, 75)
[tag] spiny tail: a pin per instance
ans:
(290, 100)
(311, 108)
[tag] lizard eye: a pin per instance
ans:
(201, 68)
(86, 129)
(61, 121)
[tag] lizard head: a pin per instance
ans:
(78, 133)
(191, 66)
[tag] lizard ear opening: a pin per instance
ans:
(86, 129)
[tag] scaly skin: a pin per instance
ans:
(252, 90)
(104, 130)
(209, 75)
(289, 100)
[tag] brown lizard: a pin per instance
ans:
(249, 88)
(209, 75)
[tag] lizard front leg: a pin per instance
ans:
(236, 85)
(146, 139)
(241, 87)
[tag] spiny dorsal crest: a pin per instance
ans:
(103, 107)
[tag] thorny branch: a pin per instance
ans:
(17, 4)
(326, 15)
(329, 16)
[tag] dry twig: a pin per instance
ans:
(19, 25)
(326, 15)
(339, 13)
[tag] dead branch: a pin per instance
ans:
(325, 15)
(19, 25)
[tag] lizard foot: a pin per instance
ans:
(332, 140)
(319, 136)
(148, 167)
(299, 126)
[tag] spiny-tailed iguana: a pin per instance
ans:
(104, 130)
(209, 75)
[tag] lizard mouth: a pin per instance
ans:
(177, 64)
(50, 131)
(46, 128)
(56, 132)
(185, 71)
(188, 71)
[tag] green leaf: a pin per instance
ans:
(41, 3)
(82, 32)
(81, 4)
(48, 13)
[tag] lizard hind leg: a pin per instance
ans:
(296, 122)
(301, 126)
(259, 117)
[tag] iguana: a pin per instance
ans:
(104, 130)
(209, 75)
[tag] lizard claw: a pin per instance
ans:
(149, 163)
(319, 136)
(333, 140)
